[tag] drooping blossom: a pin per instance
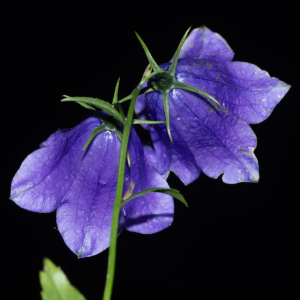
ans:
(206, 137)
(81, 185)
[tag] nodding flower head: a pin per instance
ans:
(81, 185)
(209, 137)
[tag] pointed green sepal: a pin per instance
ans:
(145, 90)
(103, 105)
(126, 98)
(167, 113)
(121, 111)
(90, 108)
(97, 130)
(154, 65)
(174, 193)
(175, 59)
(137, 121)
(180, 85)
(86, 106)
(115, 99)
(55, 284)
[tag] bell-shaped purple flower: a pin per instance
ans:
(207, 137)
(81, 185)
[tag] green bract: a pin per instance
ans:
(98, 103)
(174, 193)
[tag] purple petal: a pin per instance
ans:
(182, 160)
(140, 108)
(161, 164)
(54, 137)
(162, 151)
(84, 216)
(82, 186)
(140, 105)
(46, 175)
(152, 212)
(205, 139)
(242, 88)
(202, 43)
(151, 156)
(85, 213)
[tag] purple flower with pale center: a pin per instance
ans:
(208, 138)
(81, 185)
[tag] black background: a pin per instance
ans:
(236, 241)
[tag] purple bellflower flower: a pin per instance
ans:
(81, 185)
(207, 137)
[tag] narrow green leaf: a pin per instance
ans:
(91, 109)
(145, 90)
(103, 105)
(55, 284)
(167, 113)
(144, 79)
(175, 59)
(136, 121)
(86, 106)
(97, 130)
(121, 111)
(180, 85)
(174, 193)
(154, 65)
(126, 98)
(115, 99)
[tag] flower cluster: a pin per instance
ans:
(79, 179)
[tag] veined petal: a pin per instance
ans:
(182, 160)
(151, 156)
(141, 111)
(160, 158)
(249, 93)
(152, 212)
(82, 186)
(84, 216)
(205, 139)
(202, 43)
(47, 174)
(54, 137)
(85, 213)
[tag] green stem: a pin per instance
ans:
(119, 193)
